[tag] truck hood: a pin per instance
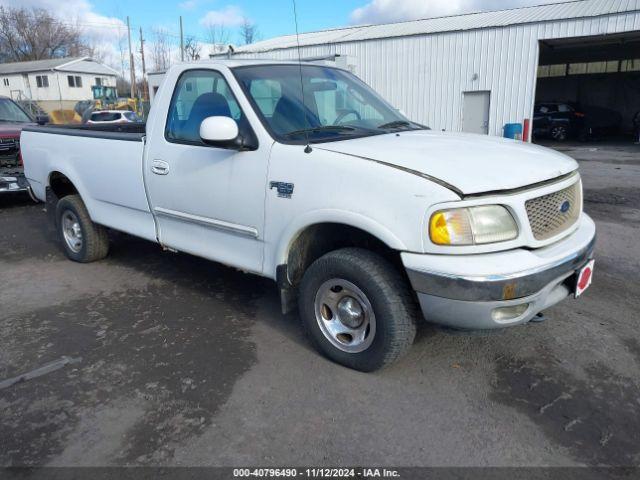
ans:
(469, 163)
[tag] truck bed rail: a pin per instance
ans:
(132, 132)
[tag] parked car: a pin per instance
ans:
(561, 121)
(558, 121)
(362, 217)
(12, 120)
(113, 116)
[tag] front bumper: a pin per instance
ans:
(462, 291)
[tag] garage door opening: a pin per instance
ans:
(588, 89)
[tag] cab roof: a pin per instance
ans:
(245, 62)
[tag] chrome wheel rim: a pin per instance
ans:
(345, 315)
(71, 231)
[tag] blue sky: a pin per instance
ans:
(273, 17)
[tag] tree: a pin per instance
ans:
(87, 48)
(218, 37)
(123, 85)
(36, 35)
(192, 49)
(248, 31)
(161, 50)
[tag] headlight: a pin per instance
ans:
(472, 225)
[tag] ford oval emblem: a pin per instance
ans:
(565, 206)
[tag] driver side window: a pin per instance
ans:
(199, 94)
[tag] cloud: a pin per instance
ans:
(74, 11)
(230, 16)
(188, 5)
(103, 32)
(388, 11)
(192, 4)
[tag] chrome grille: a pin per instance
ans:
(546, 215)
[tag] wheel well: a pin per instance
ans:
(61, 186)
(319, 239)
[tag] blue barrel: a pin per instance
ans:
(513, 131)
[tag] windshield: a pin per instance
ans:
(10, 112)
(337, 105)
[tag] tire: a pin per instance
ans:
(368, 285)
(72, 217)
(559, 133)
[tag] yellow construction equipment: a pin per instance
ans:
(106, 98)
(63, 117)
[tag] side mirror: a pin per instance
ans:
(42, 119)
(220, 132)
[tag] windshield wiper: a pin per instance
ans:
(323, 128)
(396, 124)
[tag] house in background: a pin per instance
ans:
(57, 83)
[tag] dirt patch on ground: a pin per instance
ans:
(158, 362)
(597, 419)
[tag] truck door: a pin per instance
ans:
(207, 201)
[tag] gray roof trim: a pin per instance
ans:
(58, 64)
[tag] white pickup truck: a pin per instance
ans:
(303, 174)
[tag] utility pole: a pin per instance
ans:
(131, 65)
(145, 85)
(181, 41)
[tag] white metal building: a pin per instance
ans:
(477, 72)
(55, 83)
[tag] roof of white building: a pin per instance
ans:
(68, 64)
(499, 18)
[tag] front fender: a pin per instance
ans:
(352, 219)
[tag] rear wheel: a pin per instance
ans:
(357, 309)
(83, 241)
(559, 133)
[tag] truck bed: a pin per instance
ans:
(128, 131)
(103, 162)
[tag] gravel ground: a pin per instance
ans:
(166, 359)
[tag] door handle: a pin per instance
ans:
(160, 167)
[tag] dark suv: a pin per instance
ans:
(558, 121)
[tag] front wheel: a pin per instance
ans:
(357, 309)
(83, 241)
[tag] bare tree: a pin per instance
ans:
(248, 31)
(123, 85)
(218, 37)
(192, 49)
(161, 50)
(86, 48)
(35, 35)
